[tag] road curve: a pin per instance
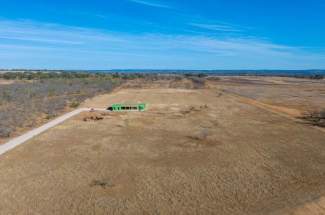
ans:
(29, 135)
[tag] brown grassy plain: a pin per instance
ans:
(234, 147)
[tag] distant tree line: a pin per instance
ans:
(73, 75)
(314, 77)
(52, 75)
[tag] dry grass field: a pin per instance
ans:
(233, 147)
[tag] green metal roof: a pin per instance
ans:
(121, 107)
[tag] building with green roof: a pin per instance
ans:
(128, 107)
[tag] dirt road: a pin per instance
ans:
(31, 134)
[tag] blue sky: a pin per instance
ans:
(157, 34)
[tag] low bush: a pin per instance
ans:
(74, 104)
(198, 83)
(316, 118)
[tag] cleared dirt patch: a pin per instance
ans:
(86, 117)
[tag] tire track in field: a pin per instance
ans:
(289, 113)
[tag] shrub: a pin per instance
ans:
(316, 118)
(198, 83)
(74, 104)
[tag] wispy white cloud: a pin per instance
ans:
(39, 39)
(32, 44)
(216, 27)
(151, 3)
